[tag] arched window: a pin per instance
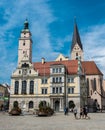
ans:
(16, 87)
(31, 87)
(31, 104)
(24, 87)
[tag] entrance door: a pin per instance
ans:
(57, 105)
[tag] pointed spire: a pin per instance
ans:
(76, 37)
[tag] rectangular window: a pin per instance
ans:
(56, 79)
(71, 90)
(60, 90)
(56, 89)
(53, 90)
(60, 79)
(53, 70)
(44, 81)
(56, 70)
(71, 80)
(53, 80)
(44, 90)
(60, 70)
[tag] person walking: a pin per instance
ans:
(65, 111)
(75, 112)
(85, 112)
(81, 112)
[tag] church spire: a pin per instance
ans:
(76, 38)
(76, 46)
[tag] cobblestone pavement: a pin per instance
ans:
(56, 122)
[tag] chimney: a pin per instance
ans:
(43, 60)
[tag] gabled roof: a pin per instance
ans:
(44, 69)
(89, 67)
(76, 38)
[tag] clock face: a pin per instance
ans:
(24, 71)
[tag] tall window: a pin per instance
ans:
(24, 86)
(31, 87)
(53, 70)
(60, 90)
(87, 86)
(94, 84)
(101, 86)
(76, 56)
(16, 87)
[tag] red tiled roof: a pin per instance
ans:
(44, 69)
(89, 67)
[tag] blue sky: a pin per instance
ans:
(51, 24)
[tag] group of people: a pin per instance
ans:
(83, 113)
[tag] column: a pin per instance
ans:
(28, 86)
(20, 86)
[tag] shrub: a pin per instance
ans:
(15, 111)
(45, 110)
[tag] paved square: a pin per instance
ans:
(57, 122)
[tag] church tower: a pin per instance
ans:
(76, 47)
(25, 44)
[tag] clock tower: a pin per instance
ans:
(25, 44)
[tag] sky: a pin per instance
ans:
(51, 23)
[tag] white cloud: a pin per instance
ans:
(40, 16)
(94, 45)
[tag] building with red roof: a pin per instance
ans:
(61, 83)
